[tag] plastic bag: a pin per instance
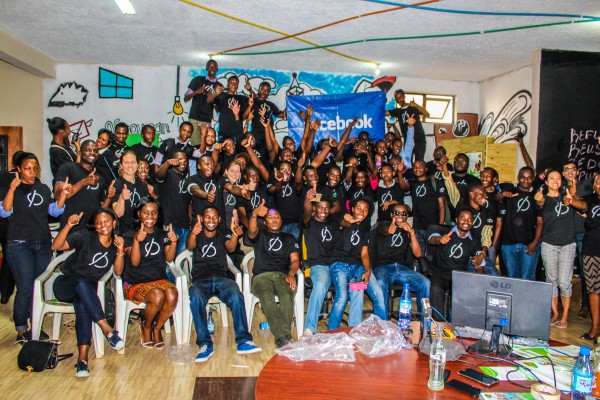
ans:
(321, 347)
(377, 338)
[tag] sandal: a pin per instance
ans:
(146, 345)
(562, 325)
(158, 345)
(586, 336)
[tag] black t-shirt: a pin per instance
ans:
(86, 200)
(425, 197)
(463, 182)
(169, 147)
(323, 169)
(107, 166)
(350, 242)
(138, 190)
(153, 262)
(200, 109)
(257, 196)
(403, 113)
(59, 155)
(559, 225)
(91, 259)
(332, 194)
(144, 152)
(433, 171)
(174, 199)
(383, 194)
(230, 203)
(481, 217)
(355, 192)
(393, 248)
(207, 184)
(288, 203)
(272, 251)
(228, 125)
(454, 255)
(320, 241)
(210, 256)
(29, 220)
(520, 219)
(258, 130)
(591, 241)
(118, 149)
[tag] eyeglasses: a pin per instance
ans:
(400, 213)
(570, 169)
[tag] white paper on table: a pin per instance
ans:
(502, 372)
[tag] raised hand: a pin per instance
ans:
(111, 191)
(405, 226)
(67, 188)
(309, 111)
(140, 236)
(315, 125)
(15, 182)
(74, 219)
(125, 193)
(211, 197)
(568, 198)
(245, 143)
(219, 89)
(446, 238)
(539, 196)
(443, 161)
(218, 147)
(92, 179)
(261, 210)
(119, 242)
(197, 226)
(573, 187)
(411, 120)
(171, 235)
(392, 228)
(302, 160)
(236, 230)
(235, 108)
(248, 86)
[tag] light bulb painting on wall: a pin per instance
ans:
(177, 111)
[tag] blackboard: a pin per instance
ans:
(569, 113)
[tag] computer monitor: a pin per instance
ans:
(482, 301)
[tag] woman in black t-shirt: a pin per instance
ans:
(26, 204)
(145, 279)
(96, 250)
(129, 190)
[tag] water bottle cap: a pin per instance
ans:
(406, 285)
(210, 314)
(584, 351)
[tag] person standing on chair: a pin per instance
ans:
(277, 259)
(210, 278)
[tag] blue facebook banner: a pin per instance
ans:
(336, 112)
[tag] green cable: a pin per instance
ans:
(440, 35)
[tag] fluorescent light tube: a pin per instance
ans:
(126, 7)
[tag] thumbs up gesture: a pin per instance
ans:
(446, 238)
(111, 191)
(211, 195)
(74, 219)
(15, 182)
(172, 235)
(125, 193)
(539, 196)
(261, 210)
(236, 230)
(197, 226)
(92, 179)
(140, 236)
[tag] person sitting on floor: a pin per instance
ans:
(277, 259)
(210, 278)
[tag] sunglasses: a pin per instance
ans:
(400, 213)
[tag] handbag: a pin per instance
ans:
(37, 355)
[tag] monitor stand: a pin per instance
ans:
(493, 345)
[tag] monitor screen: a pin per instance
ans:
(522, 306)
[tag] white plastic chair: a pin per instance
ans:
(251, 300)
(183, 265)
(124, 308)
(44, 302)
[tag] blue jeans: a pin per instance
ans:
(518, 263)
(28, 259)
(182, 233)
(83, 294)
(321, 280)
(390, 274)
(488, 269)
(292, 229)
(341, 274)
(229, 293)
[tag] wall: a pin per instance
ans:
(74, 94)
(21, 105)
(505, 104)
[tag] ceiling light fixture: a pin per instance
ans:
(126, 7)
(377, 70)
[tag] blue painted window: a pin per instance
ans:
(112, 85)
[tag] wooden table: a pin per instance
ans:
(398, 376)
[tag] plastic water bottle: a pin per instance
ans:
(437, 360)
(210, 323)
(583, 374)
(405, 311)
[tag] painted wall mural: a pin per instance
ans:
(68, 94)
(510, 120)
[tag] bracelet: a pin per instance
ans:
(253, 216)
(120, 254)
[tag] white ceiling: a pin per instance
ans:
(171, 32)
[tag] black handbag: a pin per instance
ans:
(36, 356)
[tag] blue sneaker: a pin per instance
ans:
(205, 353)
(115, 341)
(248, 347)
(82, 370)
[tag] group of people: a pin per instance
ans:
(340, 209)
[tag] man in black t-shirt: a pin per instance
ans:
(209, 278)
(145, 150)
(233, 110)
(202, 90)
(119, 145)
(270, 110)
(277, 259)
(403, 113)
(170, 146)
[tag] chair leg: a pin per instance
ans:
(224, 316)
(37, 317)
(122, 316)
(56, 325)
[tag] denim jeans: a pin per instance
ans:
(182, 234)
(321, 280)
(390, 274)
(518, 263)
(28, 260)
(84, 296)
(229, 293)
(292, 229)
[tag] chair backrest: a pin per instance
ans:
(44, 282)
(248, 264)
(184, 261)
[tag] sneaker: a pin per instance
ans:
(82, 370)
(248, 347)
(23, 338)
(283, 341)
(115, 341)
(205, 353)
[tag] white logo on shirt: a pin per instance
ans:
(255, 201)
(325, 235)
(95, 187)
(134, 198)
(230, 200)
(209, 186)
(354, 239)
(358, 194)
(150, 158)
(150, 248)
(386, 197)
(595, 211)
(397, 240)
(34, 199)
(477, 221)
(181, 187)
(209, 250)
(456, 251)
(523, 204)
(287, 190)
(264, 107)
(231, 102)
(561, 209)
(421, 190)
(275, 244)
(100, 260)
